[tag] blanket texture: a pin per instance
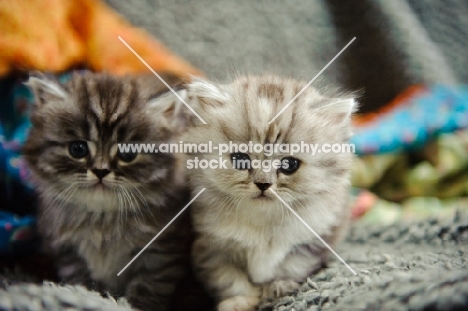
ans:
(422, 266)
(418, 266)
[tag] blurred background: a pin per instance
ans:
(399, 43)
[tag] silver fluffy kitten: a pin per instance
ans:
(249, 245)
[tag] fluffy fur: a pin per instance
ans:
(95, 226)
(249, 245)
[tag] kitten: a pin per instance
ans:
(249, 245)
(98, 206)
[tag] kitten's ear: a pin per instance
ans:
(204, 94)
(193, 100)
(171, 109)
(339, 110)
(45, 88)
(186, 108)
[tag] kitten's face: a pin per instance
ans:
(72, 148)
(240, 113)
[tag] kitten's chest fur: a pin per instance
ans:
(105, 240)
(269, 249)
(270, 226)
(105, 262)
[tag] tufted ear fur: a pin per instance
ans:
(186, 107)
(206, 93)
(338, 110)
(45, 88)
(169, 109)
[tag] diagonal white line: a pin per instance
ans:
(162, 230)
(308, 84)
(312, 230)
(159, 77)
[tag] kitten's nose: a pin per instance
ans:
(100, 173)
(263, 186)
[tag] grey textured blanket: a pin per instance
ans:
(398, 43)
(420, 266)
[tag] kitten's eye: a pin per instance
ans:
(127, 156)
(289, 165)
(240, 161)
(78, 149)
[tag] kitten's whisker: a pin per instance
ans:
(136, 206)
(119, 197)
(282, 215)
(127, 203)
(226, 207)
(295, 205)
(66, 195)
(223, 203)
(114, 197)
(133, 196)
(142, 199)
(229, 207)
(57, 195)
(122, 200)
(131, 202)
(70, 194)
(236, 209)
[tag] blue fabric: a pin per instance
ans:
(441, 109)
(17, 234)
(14, 127)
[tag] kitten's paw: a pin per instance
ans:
(280, 288)
(239, 303)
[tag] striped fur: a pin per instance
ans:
(250, 247)
(95, 232)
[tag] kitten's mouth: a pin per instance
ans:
(262, 196)
(99, 186)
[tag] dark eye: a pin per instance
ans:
(127, 156)
(78, 149)
(289, 165)
(240, 161)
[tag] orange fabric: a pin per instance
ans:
(364, 119)
(57, 35)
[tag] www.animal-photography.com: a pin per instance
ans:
(269, 155)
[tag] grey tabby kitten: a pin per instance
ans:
(98, 206)
(249, 245)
